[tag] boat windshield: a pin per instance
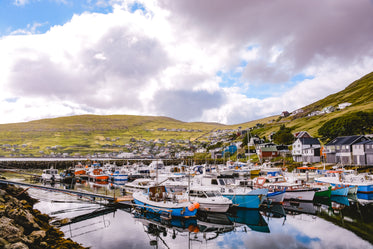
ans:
(212, 193)
(221, 182)
(230, 181)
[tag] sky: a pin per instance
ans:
(213, 61)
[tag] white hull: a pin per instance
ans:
(212, 207)
(302, 195)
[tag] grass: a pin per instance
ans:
(90, 133)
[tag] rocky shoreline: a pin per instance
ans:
(22, 226)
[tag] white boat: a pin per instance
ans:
(241, 196)
(293, 190)
(141, 184)
(50, 175)
(209, 199)
(357, 183)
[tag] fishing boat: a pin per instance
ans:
(96, 174)
(274, 194)
(80, 169)
(68, 176)
(241, 195)
(118, 175)
(209, 199)
(50, 175)
(141, 184)
(158, 200)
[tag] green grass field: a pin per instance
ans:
(86, 134)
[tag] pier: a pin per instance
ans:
(112, 200)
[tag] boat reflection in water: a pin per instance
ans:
(326, 223)
(250, 218)
(207, 226)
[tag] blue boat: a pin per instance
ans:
(118, 176)
(157, 200)
(246, 198)
(340, 191)
(239, 191)
(251, 218)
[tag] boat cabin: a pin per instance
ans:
(204, 193)
(157, 193)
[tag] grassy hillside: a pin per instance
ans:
(359, 94)
(93, 133)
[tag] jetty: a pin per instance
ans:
(112, 200)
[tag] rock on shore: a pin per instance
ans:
(22, 227)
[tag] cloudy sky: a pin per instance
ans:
(192, 60)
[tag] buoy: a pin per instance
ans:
(196, 205)
(191, 207)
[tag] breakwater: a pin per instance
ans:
(64, 163)
(22, 226)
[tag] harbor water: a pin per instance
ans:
(342, 222)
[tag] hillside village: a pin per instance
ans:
(142, 137)
(227, 144)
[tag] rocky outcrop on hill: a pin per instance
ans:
(21, 226)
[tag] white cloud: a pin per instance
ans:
(165, 60)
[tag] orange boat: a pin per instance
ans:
(80, 169)
(97, 175)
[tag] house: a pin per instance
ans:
(306, 149)
(328, 109)
(339, 150)
(268, 150)
(363, 153)
(297, 112)
(343, 105)
(302, 134)
(284, 114)
(311, 155)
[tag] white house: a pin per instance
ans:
(301, 150)
(343, 105)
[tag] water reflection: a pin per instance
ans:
(328, 223)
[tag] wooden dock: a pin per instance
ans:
(123, 200)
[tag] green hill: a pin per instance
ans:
(359, 94)
(86, 134)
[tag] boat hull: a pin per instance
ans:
(172, 209)
(251, 200)
(340, 191)
(324, 193)
(216, 208)
(302, 195)
(276, 197)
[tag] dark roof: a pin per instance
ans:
(347, 140)
(365, 142)
(309, 140)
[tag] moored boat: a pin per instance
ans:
(157, 200)
(50, 175)
(96, 174)
(209, 199)
(241, 195)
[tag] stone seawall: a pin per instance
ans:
(23, 227)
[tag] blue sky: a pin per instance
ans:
(233, 63)
(47, 13)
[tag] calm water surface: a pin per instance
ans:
(337, 223)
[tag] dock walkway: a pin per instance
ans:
(125, 200)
